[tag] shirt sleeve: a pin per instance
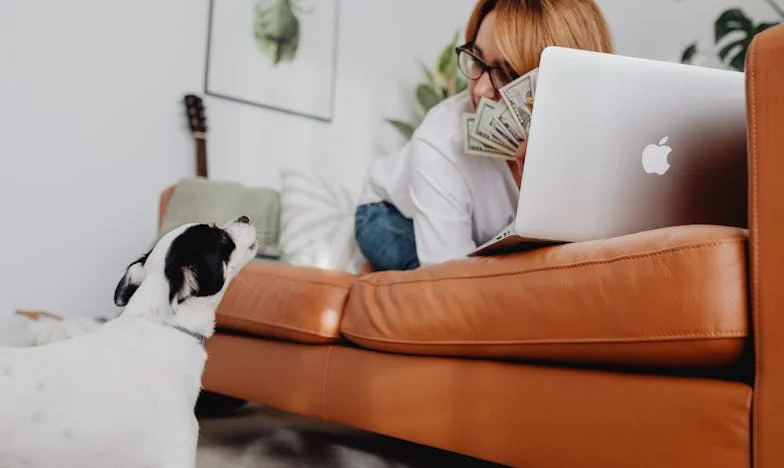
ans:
(442, 206)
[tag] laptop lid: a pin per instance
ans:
(620, 145)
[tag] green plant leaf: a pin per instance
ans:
(730, 21)
(447, 61)
(689, 53)
(427, 97)
(451, 78)
(443, 80)
(763, 26)
(428, 73)
(405, 128)
(734, 22)
(461, 83)
(739, 47)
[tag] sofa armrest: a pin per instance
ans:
(765, 103)
(163, 203)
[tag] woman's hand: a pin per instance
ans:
(516, 166)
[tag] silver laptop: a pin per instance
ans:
(620, 145)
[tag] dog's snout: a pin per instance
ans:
(243, 219)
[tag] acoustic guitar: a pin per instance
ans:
(197, 120)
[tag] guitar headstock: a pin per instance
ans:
(197, 120)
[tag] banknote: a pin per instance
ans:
(516, 95)
(535, 77)
(486, 112)
(504, 124)
(473, 146)
(498, 128)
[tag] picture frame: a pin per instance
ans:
(274, 54)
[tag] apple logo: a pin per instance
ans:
(654, 157)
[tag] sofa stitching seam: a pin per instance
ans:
(755, 251)
(572, 266)
(280, 327)
(324, 381)
(529, 341)
(277, 276)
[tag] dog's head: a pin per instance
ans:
(196, 260)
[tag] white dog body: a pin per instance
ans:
(124, 395)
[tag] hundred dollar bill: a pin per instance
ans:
(525, 120)
(473, 146)
(516, 94)
(504, 124)
(497, 128)
(530, 100)
(486, 112)
(535, 77)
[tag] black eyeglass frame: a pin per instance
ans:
(466, 48)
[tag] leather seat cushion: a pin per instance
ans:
(536, 416)
(286, 302)
(674, 297)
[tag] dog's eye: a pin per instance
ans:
(224, 237)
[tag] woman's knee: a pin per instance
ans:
(386, 238)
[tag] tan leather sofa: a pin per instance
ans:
(658, 349)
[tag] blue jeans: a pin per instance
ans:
(385, 237)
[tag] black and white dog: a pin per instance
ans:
(124, 395)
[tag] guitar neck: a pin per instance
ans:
(194, 106)
(201, 156)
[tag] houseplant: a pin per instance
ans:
(733, 32)
(442, 81)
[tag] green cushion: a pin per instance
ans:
(204, 201)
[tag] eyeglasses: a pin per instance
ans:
(473, 68)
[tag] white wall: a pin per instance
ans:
(91, 128)
(90, 131)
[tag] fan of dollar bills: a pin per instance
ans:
(497, 129)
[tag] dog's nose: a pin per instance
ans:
(243, 219)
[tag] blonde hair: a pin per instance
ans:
(525, 27)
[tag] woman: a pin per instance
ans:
(430, 202)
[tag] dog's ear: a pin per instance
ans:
(201, 278)
(195, 263)
(130, 282)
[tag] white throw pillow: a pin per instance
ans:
(317, 224)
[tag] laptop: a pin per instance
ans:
(620, 145)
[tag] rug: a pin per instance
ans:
(257, 437)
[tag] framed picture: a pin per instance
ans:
(278, 54)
